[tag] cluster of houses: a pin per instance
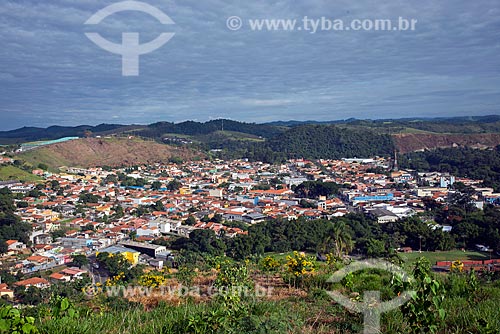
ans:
(208, 195)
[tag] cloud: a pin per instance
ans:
(52, 74)
(266, 103)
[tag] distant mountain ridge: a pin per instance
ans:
(26, 134)
(472, 124)
(277, 141)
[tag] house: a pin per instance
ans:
(14, 246)
(34, 281)
(145, 248)
(73, 273)
(58, 277)
(5, 291)
(234, 215)
(131, 255)
(254, 218)
(9, 184)
(43, 239)
(383, 216)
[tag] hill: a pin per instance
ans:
(91, 152)
(411, 142)
(27, 134)
(155, 130)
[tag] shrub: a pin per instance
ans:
(13, 322)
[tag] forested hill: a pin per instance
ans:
(329, 141)
(27, 134)
(157, 130)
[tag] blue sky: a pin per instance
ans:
(51, 73)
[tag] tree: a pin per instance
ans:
(119, 213)
(22, 204)
(60, 233)
(30, 296)
(80, 260)
(314, 189)
(35, 193)
(11, 227)
(117, 265)
(341, 239)
(375, 248)
(190, 221)
(89, 198)
(217, 218)
(205, 241)
(43, 166)
(174, 185)
(156, 185)
(462, 198)
(158, 206)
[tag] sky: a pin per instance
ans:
(51, 73)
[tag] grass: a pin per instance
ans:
(177, 135)
(313, 313)
(234, 135)
(433, 257)
(45, 156)
(231, 135)
(14, 173)
(304, 310)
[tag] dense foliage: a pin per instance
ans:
(157, 130)
(332, 142)
(11, 227)
(314, 189)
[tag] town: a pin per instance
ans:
(81, 212)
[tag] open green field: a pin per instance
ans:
(10, 172)
(433, 257)
(234, 135)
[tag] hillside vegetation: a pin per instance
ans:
(10, 172)
(320, 141)
(90, 152)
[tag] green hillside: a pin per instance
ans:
(10, 172)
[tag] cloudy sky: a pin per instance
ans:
(51, 73)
